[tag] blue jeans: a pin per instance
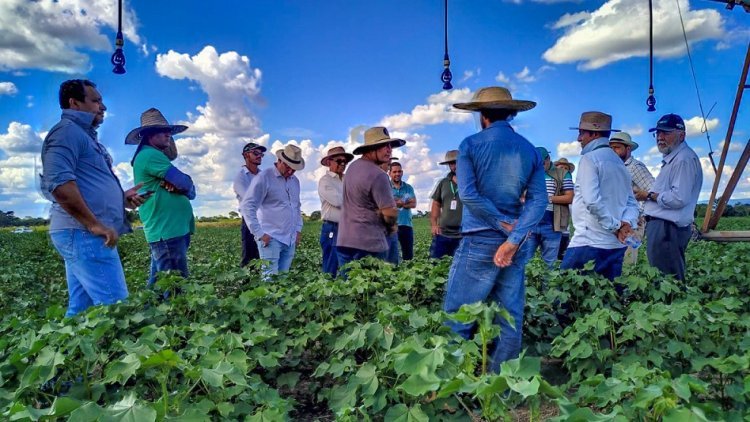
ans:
(442, 246)
(545, 236)
(328, 235)
(406, 240)
(169, 254)
(474, 277)
(391, 255)
(347, 255)
(278, 255)
(93, 271)
(607, 262)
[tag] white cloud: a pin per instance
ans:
(8, 88)
(525, 75)
(502, 78)
(20, 138)
(52, 35)
(19, 148)
(733, 147)
(439, 109)
(633, 131)
(618, 31)
(568, 149)
(695, 126)
(519, 81)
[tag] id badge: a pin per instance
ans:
(454, 205)
(330, 235)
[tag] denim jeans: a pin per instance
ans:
(391, 255)
(545, 236)
(328, 235)
(347, 255)
(93, 271)
(169, 254)
(442, 246)
(607, 262)
(406, 240)
(474, 277)
(278, 255)
(249, 247)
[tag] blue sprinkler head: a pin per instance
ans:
(118, 57)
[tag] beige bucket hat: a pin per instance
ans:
(595, 121)
(495, 97)
(450, 157)
(336, 152)
(625, 139)
(564, 161)
(292, 156)
(152, 119)
(376, 137)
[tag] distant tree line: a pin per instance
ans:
(736, 210)
(9, 219)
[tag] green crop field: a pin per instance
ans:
(229, 346)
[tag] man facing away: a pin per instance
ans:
(445, 212)
(369, 213)
(403, 194)
(604, 208)
(495, 167)
(88, 204)
(331, 193)
(271, 208)
(670, 205)
(623, 145)
(252, 153)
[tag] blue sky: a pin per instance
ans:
(318, 73)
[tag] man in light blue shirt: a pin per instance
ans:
(670, 205)
(604, 208)
(271, 209)
(495, 167)
(406, 200)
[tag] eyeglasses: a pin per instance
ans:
(341, 162)
(256, 152)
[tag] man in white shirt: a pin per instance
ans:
(253, 154)
(331, 192)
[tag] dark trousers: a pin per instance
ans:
(666, 246)
(564, 241)
(406, 240)
(249, 247)
(607, 262)
(442, 246)
(328, 234)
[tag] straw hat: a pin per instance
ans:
(335, 152)
(291, 155)
(152, 119)
(564, 161)
(595, 121)
(375, 137)
(495, 97)
(450, 157)
(625, 139)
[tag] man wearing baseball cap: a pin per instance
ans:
(253, 154)
(670, 204)
(331, 193)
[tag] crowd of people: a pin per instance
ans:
(500, 200)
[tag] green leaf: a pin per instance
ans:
(417, 320)
(127, 410)
(88, 412)
(419, 360)
(402, 413)
(121, 371)
(421, 383)
(164, 358)
(289, 379)
(693, 414)
(524, 387)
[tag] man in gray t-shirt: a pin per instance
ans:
(369, 210)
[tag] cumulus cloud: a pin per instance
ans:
(439, 109)
(618, 31)
(8, 88)
(519, 81)
(695, 125)
(468, 74)
(633, 131)
(733, 147)
(54, 35)
(19, 148)
(20, 138)
(568, 149)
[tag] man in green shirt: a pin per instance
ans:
(167, 215)
(445, 213)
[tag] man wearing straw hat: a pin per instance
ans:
(253, 155)
(272, 209)
(495, 167)
(167, 215)
(445, 212)
(623, 145)
(604, 208)
(369, 212)
(331, 192)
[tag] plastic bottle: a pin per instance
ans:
(633, 241)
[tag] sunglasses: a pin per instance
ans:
(255, 152)
(341, 162)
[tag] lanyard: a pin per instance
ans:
(453, 190)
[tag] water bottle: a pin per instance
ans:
(633, 241)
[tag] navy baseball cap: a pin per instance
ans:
(669, 123)
(251, 146)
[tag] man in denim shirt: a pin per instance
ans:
(88, 203)
(494, 168)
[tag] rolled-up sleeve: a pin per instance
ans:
(60, 158)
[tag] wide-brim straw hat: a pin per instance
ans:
(595, 121)
(291, 155)
(450, 157)
(625, 139)
(495, 98)
(564, 161)
(152, 119)
(376, 137)
(336, 152)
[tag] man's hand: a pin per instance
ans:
(504, 254)
(298, 239)
(508, 227)
(639, 194)
(624, 231)
(169, 187)
(266, 239)
(399, 203)
(110, 236)
(436, 230)
(132, 199)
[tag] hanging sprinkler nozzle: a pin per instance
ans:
(447, 76)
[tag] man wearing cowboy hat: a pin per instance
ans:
(563, 163)
(623, 145)
(445, 212)
(271, 208)
(167, 215)
(369, 211)
(670, 204)
(88, 204)
(495, 167)
(331, 192)
(604, 208)
(253, 155)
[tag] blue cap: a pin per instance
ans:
(669, 123)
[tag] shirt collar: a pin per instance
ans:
(596, 143)
(83, 119)
(333, 174)
(671, 156)
(499, 123)
(629, 160)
